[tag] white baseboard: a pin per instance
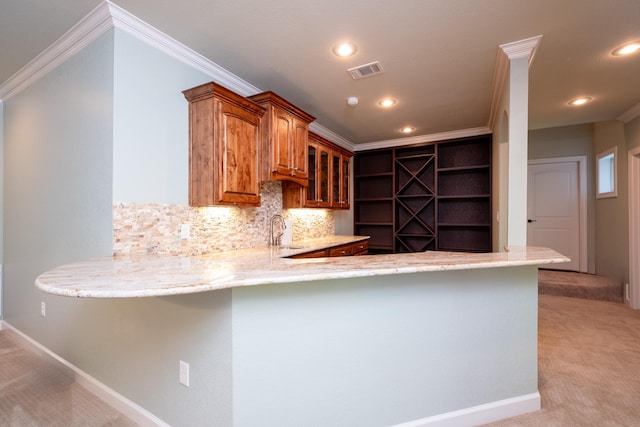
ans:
(481, 414)
(125, 406)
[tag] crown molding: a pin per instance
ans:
(522, 48)
(107, 16)
(88, 29)
(630, 114)
(332, 136)
(506, 53)
(419, 139)
(139, 29)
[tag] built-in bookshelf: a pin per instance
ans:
(434, 196)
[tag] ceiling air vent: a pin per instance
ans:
(365, 70)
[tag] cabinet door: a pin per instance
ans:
(312, 190)
(282, 136)
(339, 180)
(335, 179)
(237, 151)
(225, 132)
(344, 182)
(298, 150)
(323, 177)
(317, 193)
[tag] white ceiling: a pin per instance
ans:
(439, 56)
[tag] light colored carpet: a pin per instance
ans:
(35, 393)
(589, 365)
(578, 285)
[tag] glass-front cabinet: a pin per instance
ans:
(328, 186)
(340, 180)
(317, 193)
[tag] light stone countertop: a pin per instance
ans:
(158, 275)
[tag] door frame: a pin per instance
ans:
(582, 201)
(634, 228)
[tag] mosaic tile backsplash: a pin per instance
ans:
(144, 228)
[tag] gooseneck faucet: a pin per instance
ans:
(274, 240)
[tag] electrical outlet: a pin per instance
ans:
(43, 309)
(185, 231)
(184, 373)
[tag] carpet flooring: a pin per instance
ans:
(588, 365)
(578, 285)
(35, 393)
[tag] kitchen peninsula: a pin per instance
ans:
(398, 339)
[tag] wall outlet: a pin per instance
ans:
(184, 373)
(185, 231)
(43, 309)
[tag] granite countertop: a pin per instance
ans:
(160, 275)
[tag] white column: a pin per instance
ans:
(520, 56)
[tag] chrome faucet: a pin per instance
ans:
(273, 239)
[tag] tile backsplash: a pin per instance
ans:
(144, 228)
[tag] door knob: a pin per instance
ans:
(531, 220)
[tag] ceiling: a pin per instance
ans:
(439, 56)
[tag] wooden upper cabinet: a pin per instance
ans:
(340, 166)
(328, 182)
(224, 147)
(284, 138)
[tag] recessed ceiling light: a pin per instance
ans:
(627, 49)
(387, 102)
(580, 101)
(345, 49)
(407, 129)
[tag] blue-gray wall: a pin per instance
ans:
(57, 175)
(108, 124)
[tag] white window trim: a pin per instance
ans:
(614, 193)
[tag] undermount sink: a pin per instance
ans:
(290, 247)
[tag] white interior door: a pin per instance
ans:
(554, 210)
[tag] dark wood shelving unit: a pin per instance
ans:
(373, 199)
(434, 196)
(414, 192)
(464, 195)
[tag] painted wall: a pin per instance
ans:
(632, 133)
(568, 141)
(612, 230)
(58, 159)
(59, 152)
(109, 124)
(384, 350)
(150, 124)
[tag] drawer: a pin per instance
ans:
(344, 250)
(361, 248)
(313, 254)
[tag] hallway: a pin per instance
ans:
(589, 365)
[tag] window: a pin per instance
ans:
(606, 171)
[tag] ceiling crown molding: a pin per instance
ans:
(630, 114)
(420, 139)
(89, 28)
(107, 16)
(506, 53)
(522, 48)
